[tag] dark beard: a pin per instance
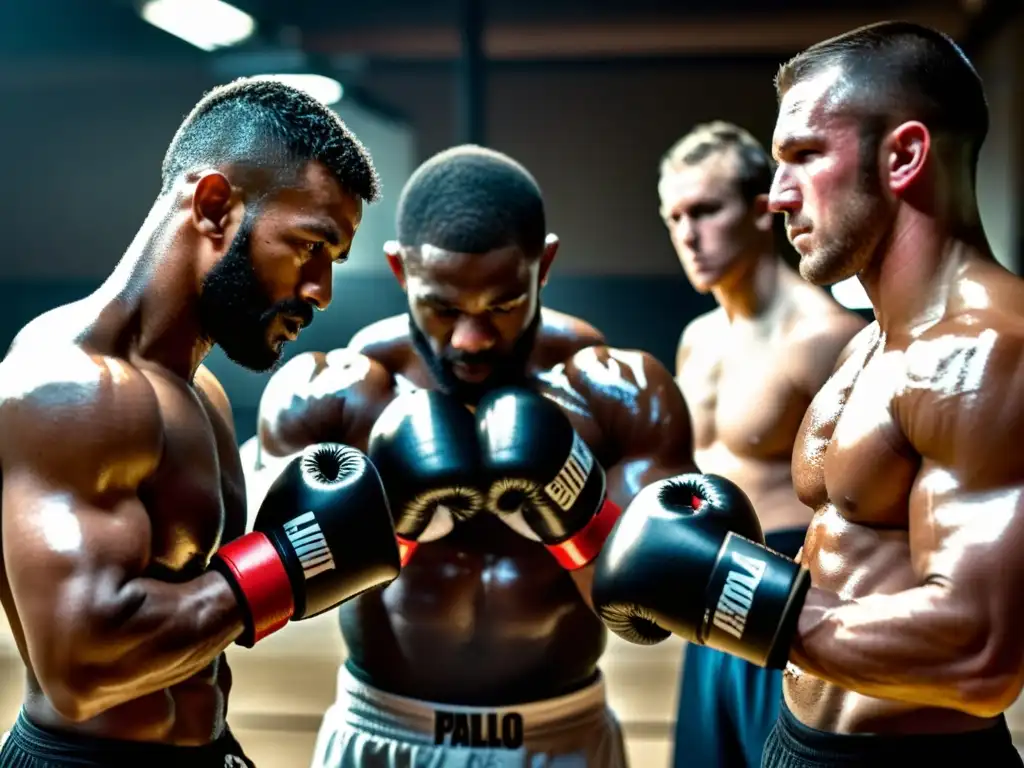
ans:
(235, 311)
(507, 368)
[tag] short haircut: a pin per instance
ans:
(899, 70)
(469, 199)
(263, 125)
(754, 168)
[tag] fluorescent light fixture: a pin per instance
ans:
(206, 24)
(322, 88)
(850, 293)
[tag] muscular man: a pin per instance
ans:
(901, 628)
(485, 648)
(748, 370)
(125, 569)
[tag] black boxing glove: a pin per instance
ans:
(323, 535)
(544, 481)
(424, 447)
(687, 558)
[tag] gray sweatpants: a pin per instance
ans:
(368, 728)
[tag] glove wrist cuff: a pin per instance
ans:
(254, 568)
(754, 600)
(580, 549)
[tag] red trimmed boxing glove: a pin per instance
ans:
(544, 481)
(424, 447)
(322, 536)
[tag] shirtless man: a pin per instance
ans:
(901, 628)
(125, 569)
(485, 649)
(748, 370)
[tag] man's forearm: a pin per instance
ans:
(914, 646)
(164, 634)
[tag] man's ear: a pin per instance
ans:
(762, 214)
(548, 256)
(212, 202)
(393, 253)
(907, 149)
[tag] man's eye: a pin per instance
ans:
(315, 247)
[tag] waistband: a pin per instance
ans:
(371, 710)
(786, 541)
(822, 747)
(67, 748)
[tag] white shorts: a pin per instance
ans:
(369, 728)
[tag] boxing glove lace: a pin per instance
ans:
(323, 535)
(544, 481)
(424, 447)
(687, 558)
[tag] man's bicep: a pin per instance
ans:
(967, 504)
(967, 545)
(955, 529)
(67, 557)
(655, 437)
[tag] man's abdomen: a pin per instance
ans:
(855, 561)
(187, 715)
(468, 627)
(767, 482)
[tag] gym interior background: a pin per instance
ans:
(586, 93)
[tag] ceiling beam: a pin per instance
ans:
(743, 35)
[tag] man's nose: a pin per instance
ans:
(472, 334)
(686, 232)
(783, 196)
(317, 285)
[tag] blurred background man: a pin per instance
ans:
(748, 369)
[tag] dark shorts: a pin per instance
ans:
(793, 745)
(727, 706)
(30, 746)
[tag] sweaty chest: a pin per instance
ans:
(742, 400)
(850, 452)
(193, 505)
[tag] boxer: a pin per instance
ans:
(748, 370)
(126, 573)
(900, 623)
(508, 436)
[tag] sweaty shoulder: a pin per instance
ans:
(86, 422)
(962, 399)
(387, 341)
(702, 330)
(633, 397)
(818, 317)
(322, 397)
(561, 336)
(819, 335)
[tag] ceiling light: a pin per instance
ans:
(206, 24)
